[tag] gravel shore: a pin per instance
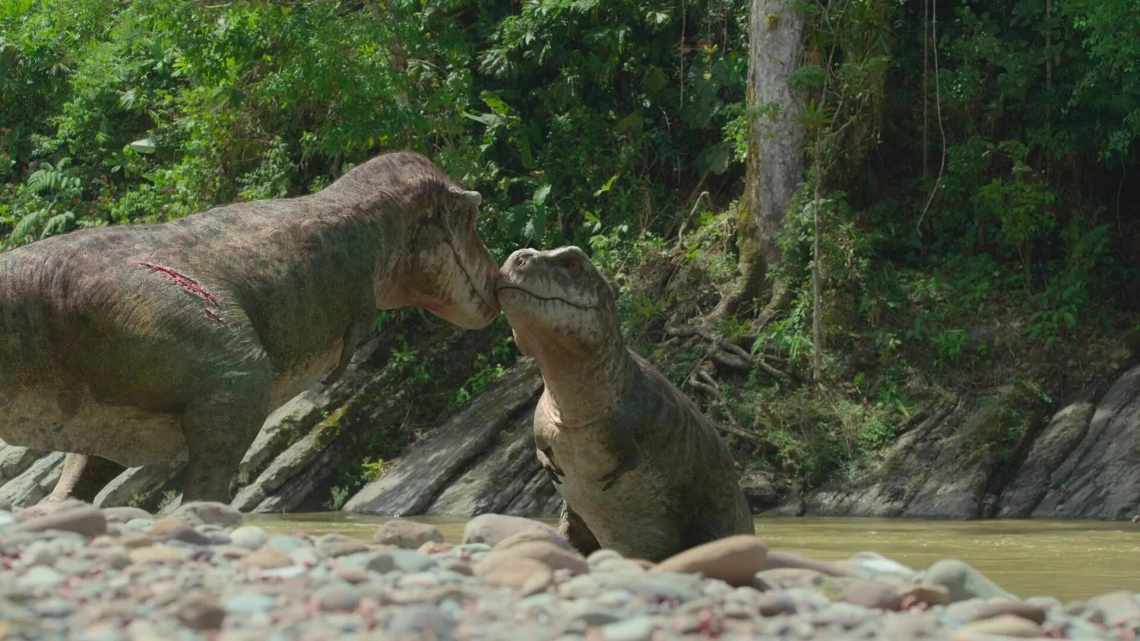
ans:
(71, 571)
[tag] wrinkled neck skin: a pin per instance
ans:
(583, 386)
(388, 236)
(388, 285)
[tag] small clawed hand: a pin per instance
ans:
(546, 460)
(610, 479)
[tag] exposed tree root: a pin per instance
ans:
(726, 353)
(746, 287)
(776, 303)
(703, 381)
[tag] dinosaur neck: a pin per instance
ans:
(380, 230)
(584, 389)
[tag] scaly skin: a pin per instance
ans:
(641, 469)
(133, 343)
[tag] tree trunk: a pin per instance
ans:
(817, 270)
(775, 150)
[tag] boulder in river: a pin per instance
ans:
(407, 534)
(495, 528)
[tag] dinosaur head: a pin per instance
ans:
(439, 262)
(559, 304)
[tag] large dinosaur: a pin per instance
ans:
(136, 342)
(641, 469)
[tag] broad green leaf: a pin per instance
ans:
(541, 194)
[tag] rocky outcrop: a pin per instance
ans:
(1082, 462)
(1087, 463)
(1057, 441)
(480, 460)
(505, 478)
(930, 471)
(331, 429)
(14, 460)
(290, 422)
(33, 483)
(144, 487)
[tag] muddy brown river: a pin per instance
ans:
(1065, 559)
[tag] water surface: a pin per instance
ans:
(1066, 559)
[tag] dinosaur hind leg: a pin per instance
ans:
(574, 529)
(73, 466)
(220, 427)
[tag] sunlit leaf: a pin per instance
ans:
(497, 104)
(541, 194)
(143, 146)
(608, 185)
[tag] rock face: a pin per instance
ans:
(273, 471)
(328, 428)
(915, 478)
(285, 426)
(33, 483)
(14, 460)
(504, 478)
(140, 486)
(1060, 438)
(1098, 475)
(480, 460)
(1083, 463)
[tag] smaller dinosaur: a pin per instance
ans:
(641, 469)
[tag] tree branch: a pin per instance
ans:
(705, 383)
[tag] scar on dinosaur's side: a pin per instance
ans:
(211, 307)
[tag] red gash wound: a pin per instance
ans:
(212, 308)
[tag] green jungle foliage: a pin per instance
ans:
(977, 188)
(569, 116)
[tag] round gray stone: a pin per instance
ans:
(635, 629)
(407, 534)
(338, 598)
(40, 579)
(248, 603)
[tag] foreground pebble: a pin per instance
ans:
(75, 572)
(734, 560)
(493, 528)
(407, 534)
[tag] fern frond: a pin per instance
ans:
(26, 229)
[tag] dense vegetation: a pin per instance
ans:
(978, 196)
